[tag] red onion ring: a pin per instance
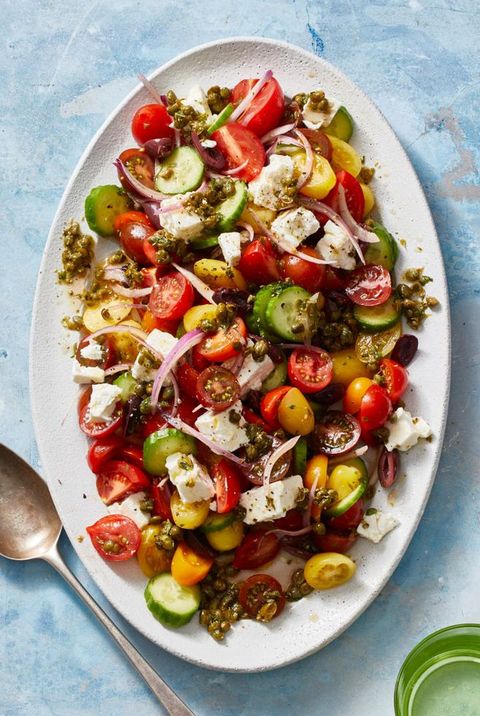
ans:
(290, 533)
(272, 149)
(152, 210)
(118, 368)
(178, 137)
(274, 133)
(181, 425)
(135, 187)
(213, 158)
(205, 291)
(276, 455)
(235, 170)
(113, 273)
(322, 208)
(369, 237)
(250, 96)
(305, 175)
(186, 342)
(249, 228)
(132, 292)
(151, 89)
(176, 396)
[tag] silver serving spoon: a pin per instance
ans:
(30, 528)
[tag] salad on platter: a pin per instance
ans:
(241, 358)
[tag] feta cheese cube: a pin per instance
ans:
(405, 431)
(268, 189)
(335, 246)
(375, 527)
(87, 374)
(92, 351)
(197, 99)
(160, 341)
(182, 224)
(102, 403)
(219, 428)
(270, 502)
(191, 479)
(314, 119)
(230, 242)
(294, 226)
(252, 373)
(130, 507)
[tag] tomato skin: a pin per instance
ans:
(132, 240)
(171, 297)
(396, 378)
(310, 371)
(116, 529)
(131, 217)
(251, 594)
(335, 542)
(251, 417)
(109, 353)
(350, 519)
(217, 388)
(333, 280)
(152, 424)
(352, 399)
(303, 273)
(118, 479)
(270, 403)
(132, 454)
(97, 430)
(139, 164)
(101, 450)
(266, 110)
(259, 262)
(220, 346)
(189, 567)
(369, 285)
(240, 144)
(293, 521)
(256, 550)
(187, 378)
(161, 500)
(151, 122)
(353, 196)
(227, 485)
(375, 408)
(149, 322)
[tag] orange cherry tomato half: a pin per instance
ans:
(224, 343)
(269, 405)
(188, 567)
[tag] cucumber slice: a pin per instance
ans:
(180, 172)
(300, 456)
(206, 243)
(222, 118)
(216, 522)
(377, 318)
(231, 209)
(385, 251)
(102, 205)
(277, 377)
(341, 125)
(169, 602)
(262, 298)
(286, 311)
(343, 505)
(127, 384)
(162, 443)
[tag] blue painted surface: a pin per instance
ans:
(64, 66)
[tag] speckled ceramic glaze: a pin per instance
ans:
(310, 624)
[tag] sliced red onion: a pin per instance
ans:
(198, 407)
(205, 291)
(236, 363)
(186, 428)
(186, 342)
(287, 139)
(290, 533)
(301, 255)
(274, 133)
(309, 157)
(118, 368)
(113, 273)
(123, 304)
(250, 96)
(178, 137)
(152, 210)
(132, 292)
(135, 187)
(248, 228)
(176, 396)
(362, 234)
(151, 89)
(322, 208)
(311, 495)
(159, 148)
(349, 455)
(276, 455)
(174, 206)
(135, 332)
(213, 158)
(272, 149)
(235, 170)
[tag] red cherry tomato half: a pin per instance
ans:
(256, 549)
(217, 388)
(109, 353)
(396, 378)
(152, 424)
(310, 371)
(259, 262)
(224, 343)
(303, 273)
(320, 142)
(369, 285)
(265, 111)
(133, 238)
(239, 145)
(93, 429)
(251, 417)
(334, 280)
(132, 454)
(140, 166)
(227, 485)
(353, 196)
(350, 519)
(336, 432)
(115, 537)
(171, 297)
(151, 121)
(292, 521)
(335, 542)
(269, 405)
(375, 408)
(118, 479)
(161, 500)
(102, 450)
(187, 378)
(256, 591)
(131, 217)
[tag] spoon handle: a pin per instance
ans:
(173, 704)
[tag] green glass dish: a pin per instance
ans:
(441, 675)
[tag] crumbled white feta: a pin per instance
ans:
(130, 507)
(270, 502)
(405, 431)
(294, 226)
(92, 351)
(87, 374)
(197, 99)
(268, 189)
(102, 403)
(191, 479)
(335, 246)
(219, 428)
(160, 341)
(252, 373)
(314, 119)
(182, 224)
(374, 527)
(231, 242)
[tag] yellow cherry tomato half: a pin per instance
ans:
(354, 394)
(188, 567)
(218, 274)
(316, 472)
(347, 367)
(253, 214)
(151, 559)
(322, 179)
(196, 314)
(369, 199)
(345, 157)
(295, 414)
(344, 479)
(227, 538)
(328, 569)
(188, 515)
(107, 313)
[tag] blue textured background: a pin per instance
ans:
(64, 66)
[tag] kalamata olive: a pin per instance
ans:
(234, 296)
(276, 353)
(132, 413)
(340, 299)
(330, 395)
(405, 349)
(388, 463)
(252, 400)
